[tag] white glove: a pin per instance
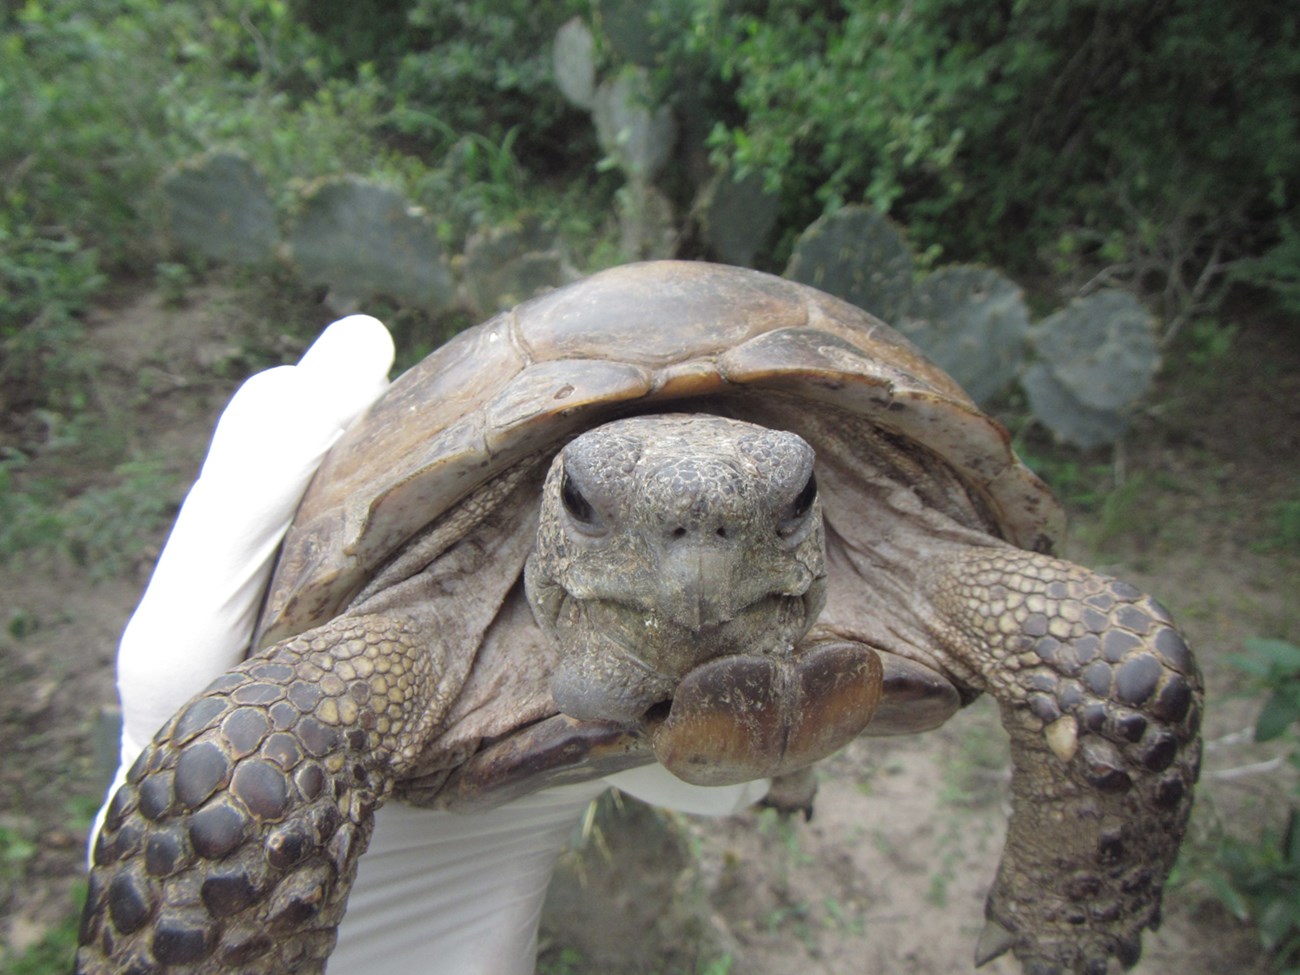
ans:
(196, 618)
(435, 892)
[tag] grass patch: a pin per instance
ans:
(104, 530)
(56, 950)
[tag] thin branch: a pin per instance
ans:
(1212, 269)
(1245, 771)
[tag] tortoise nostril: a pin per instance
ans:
(657, 712)
(681, 531)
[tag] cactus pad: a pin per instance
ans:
(361, 239)
(737, 217)
(858, 255)
(218, 206)
(1096, 359)
(506, 265)
(573, 59)
(972, 321)
(633, 131)
(646, 222)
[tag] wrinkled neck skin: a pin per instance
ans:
(665, 542)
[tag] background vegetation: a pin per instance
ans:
(1073, 143)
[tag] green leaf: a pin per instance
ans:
(1279, 712)
(1281, 653)
(1228, 895)
(1278, 922)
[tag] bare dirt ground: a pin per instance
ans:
(890, 874)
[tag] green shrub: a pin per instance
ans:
(1158, 139)
(1278, 269)
(79, 151)
(1259, 879)
(105, 530)
(45, 282)
(55, 951)
(451, 68)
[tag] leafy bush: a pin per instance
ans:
(105, 530)
(454, 67)
(1279, 268)
(1158, 139)
(1260, 880)
(98, 100)
(1275, 666)
(45, 282)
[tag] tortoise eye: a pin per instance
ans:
(574, 503)
(805, 498)
(799, 508)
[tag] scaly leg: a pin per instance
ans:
(234, 842)
(1102, 701)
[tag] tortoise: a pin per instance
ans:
(673, 512)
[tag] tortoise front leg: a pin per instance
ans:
(234, 842)
(1102, 701)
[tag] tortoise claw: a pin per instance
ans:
(994, 942)
(792, 793)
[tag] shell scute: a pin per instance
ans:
(559, 388)
(657, 314)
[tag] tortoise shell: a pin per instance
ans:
(650, 337)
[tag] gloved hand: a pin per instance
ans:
(435, 892)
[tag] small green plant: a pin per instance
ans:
(53, 954)
(1081, 484)
(716, 966)
(1279, 268)
(1275, 667)
(21, 623)
(104, 529)
(840, 918)
(17, 847)
(107, 529)
(1286, 529)
(46, 281)
(1208, 342)
(785, 830)
(566, 961)
(791, 918)
(28, 518)
(1258, 879)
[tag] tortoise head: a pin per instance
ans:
(680, 560)
(667, 543)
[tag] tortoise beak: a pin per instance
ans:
(709, 582)
(697, 587)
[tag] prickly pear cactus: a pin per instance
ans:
(858, 255)
(634, 132)
(972, 321)
(736, 217)
(362, 239)
(646, 222)
(503, 266)
(1096, 359)
(573, 60)
(218, 206)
